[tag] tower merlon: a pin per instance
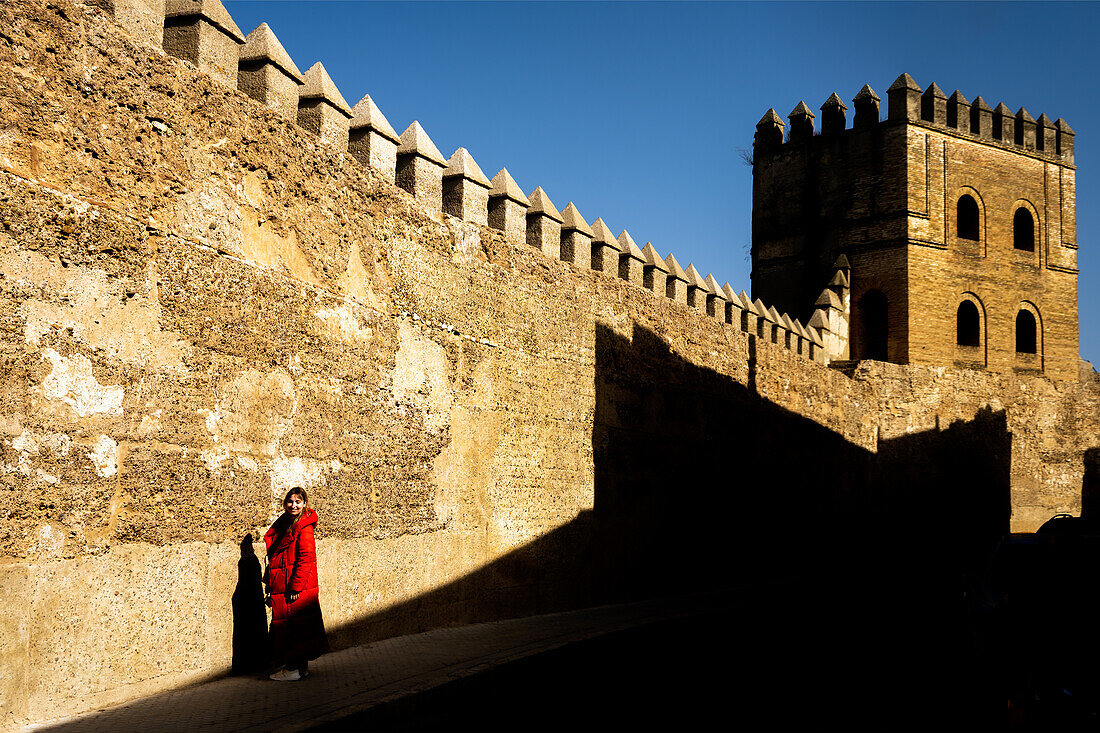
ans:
(465, 188)
(420, 167)
(934, 105)
(654, 270)
(322, 110)
(631, 259)
(543, 224)
(904, 99)
(371, 138)
(833, 119)
(508, 206)
(266, 72)
(802, 123)
(867, 108)
(576, 238)
(677, 281)
(203, 32)
(605, 249)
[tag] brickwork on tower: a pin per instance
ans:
(958, 221)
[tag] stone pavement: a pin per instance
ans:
(352, 680)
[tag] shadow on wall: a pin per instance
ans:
(850, 564)
(1090, 485)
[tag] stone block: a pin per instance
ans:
(543, 224)
(322, 110)
(465, 189)
(372, 140)
(16, 592)
(267, 74)
(203, 32)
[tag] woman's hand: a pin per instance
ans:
(292, 597)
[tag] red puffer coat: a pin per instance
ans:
(297, 629)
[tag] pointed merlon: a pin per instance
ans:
(815, 336)
(819, 320)
(694, 278)
(415, 141)
(839, 279)
(770, 118)
(1023, 114)
(958, 98)
(713, 287)
(627, 246)
(935, 91)
(319, 85)
(1044, 121)
(541, 204)
(774, 316)
(504, 185)
(904, 82)
(834, 101)
(210, 10)
(801, 110)
(463, 164)
(829, 299)
(866, 93)
(731, 296)
(652, 258)
(1003, 110)
(366, 115)
(572, 221)
(760, 308)
(841, 263)
(674, 269)
(262, 45)
(746, 302)
(1064, 127)
(602, 235)
(981, 104)
(785, 322)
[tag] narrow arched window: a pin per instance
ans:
(968, 325)
(967, 219)
(1026, 332)
(874, 326)
(1023, 230)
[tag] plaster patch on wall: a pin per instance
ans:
(71, 381)
(261, 245)
(287, 472)
(28, 443)
(421, 378)
(94, 309)
(104, 456)
(341, 323)
(355, 282)
(255, 410)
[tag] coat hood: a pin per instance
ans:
(279, 526)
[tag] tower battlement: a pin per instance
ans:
(907, 102)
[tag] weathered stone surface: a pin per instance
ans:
(142, 19)
(203, 32)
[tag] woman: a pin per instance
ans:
(297, 629)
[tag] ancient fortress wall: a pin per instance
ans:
(206, 303)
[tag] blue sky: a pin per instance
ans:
(638, 112)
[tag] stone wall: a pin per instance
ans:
(204, 305)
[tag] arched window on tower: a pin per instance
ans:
(968, 219)
(1023, 230)
(968, 325)
(1026, 332)
(873, 326)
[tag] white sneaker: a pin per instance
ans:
(286, 675)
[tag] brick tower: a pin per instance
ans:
(958, 221)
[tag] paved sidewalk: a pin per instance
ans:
(352, 680)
